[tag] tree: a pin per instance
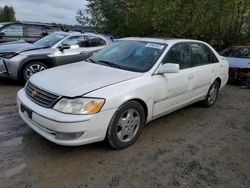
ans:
(7, 14)
(219, 22)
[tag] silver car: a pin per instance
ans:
(20, 60)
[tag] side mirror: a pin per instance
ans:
(64, 47)
(169, 68)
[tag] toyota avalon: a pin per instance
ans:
(121, 88)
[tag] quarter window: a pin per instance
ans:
(179, 54)
(14, 31)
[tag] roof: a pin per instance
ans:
(159, 40)
(28, 23)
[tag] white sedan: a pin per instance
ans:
(117, 91)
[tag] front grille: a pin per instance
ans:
(41, 97)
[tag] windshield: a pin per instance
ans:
(50, 40)
(138, 56)
(238, 52)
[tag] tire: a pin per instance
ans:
(212, 94)
(126, 125)
(32, 68)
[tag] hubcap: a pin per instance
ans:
(128, 125)
(212, 94)
(34, 68)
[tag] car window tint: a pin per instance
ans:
(75, 42)
(14, 31)
(199, 55)
(92, 41)
(34, 31)
(179, 54)
(239, 52)
(212, 56)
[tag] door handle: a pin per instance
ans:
(190, 77)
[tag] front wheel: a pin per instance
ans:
(212, 94)
(33, 68)
(126, 125)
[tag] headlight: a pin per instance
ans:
(8, 55)
(79, 105)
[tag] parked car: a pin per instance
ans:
(239, 64)
(27, 31)
(21, 60)
(119, 89)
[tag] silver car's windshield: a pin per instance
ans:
(138, 56)
(50, 40)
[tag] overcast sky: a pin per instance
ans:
(59, 11)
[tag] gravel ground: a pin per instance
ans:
(193, 147)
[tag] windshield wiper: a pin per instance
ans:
(110, 64)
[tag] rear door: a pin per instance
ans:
(92, 45)
(205, 67)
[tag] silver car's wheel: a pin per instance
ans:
(126, 125)
(212, 94)
(33, 68)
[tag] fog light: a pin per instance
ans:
(68, 136)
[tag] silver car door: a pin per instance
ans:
(73, 54)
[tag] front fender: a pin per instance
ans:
(120, 93)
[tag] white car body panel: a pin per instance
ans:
(81, 78)
(161, 93)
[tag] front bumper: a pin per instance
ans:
(50, 123)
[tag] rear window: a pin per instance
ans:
(238, 52)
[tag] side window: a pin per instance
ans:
(179, 54)
(34, 31)
(75, 42)
(13, 31)
(202, 55)
(92, 41)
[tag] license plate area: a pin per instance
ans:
(24, 109)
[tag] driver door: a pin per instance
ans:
(173, 90)
(74, 54)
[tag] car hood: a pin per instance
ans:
(238, 62)
(18, 47)
(80, 78)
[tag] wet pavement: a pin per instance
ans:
(193, 147)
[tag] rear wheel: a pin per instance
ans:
(33, 68)
(126, 125)
(212, 94)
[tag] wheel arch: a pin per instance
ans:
(218, 79)
(46, 60)
(142, 103)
